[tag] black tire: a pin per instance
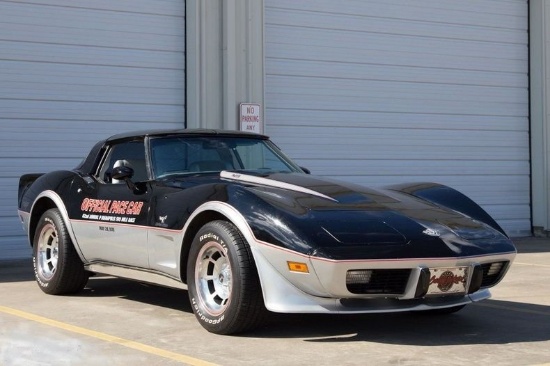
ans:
(222, 280)
(57, 267)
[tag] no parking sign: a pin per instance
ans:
(250, 118)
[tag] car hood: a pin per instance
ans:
(312, 191)
(352, 214)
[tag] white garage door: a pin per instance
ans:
(73, 72)
(379, 92)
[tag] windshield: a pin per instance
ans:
(190, 155)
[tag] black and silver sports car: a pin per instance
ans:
(245, 230)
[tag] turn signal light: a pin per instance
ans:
(297, 267)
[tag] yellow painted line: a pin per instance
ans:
(519, 310)
(533, 265)
(108, 338)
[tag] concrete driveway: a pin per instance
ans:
(118, 322)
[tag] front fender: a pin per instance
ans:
(271, 261)
(448, 197)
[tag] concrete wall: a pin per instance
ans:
(225, 48)
(540, 131)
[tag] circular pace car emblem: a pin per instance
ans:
(446, 281)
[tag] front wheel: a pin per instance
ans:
(224, 288)
(57, 267)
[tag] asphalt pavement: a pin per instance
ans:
(119, 322)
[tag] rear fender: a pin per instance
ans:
(39, 208)
(24, 184)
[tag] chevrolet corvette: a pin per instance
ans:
(246, 231)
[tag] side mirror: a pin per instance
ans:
(306, 170)
(122, 173)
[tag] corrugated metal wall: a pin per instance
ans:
(73, 72)
(379, 92)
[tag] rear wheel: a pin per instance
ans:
(57, 267)
(224, 288)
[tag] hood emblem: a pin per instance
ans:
(162, 219)
(431, 232)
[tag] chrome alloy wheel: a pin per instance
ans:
(213, 278)
(48, 251)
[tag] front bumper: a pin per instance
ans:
(323, 288)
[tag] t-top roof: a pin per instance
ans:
(190, 132)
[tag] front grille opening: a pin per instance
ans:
(492, 273)
(377, 281)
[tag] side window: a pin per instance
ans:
(131, 154)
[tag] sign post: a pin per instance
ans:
(250, 118)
